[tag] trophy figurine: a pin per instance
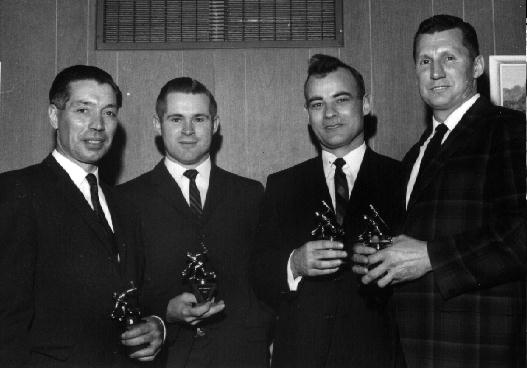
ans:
(327, 226)
(126, 312)
(377, 231)
(202, 280)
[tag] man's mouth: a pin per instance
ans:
(439, 88)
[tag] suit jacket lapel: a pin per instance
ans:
(216, 192)
(75, 201)
(166, 187)
(320, 190)
(456, 140)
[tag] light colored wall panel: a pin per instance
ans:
(27, 52)
(397, 105)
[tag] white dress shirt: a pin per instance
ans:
(78, 176)
(351, 170)
(451, 122)
(177, 170)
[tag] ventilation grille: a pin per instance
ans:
(165, 24)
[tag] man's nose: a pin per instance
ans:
(188, 127)
(437, 71)
(330, 110)
(97, 122)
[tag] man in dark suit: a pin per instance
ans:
(325, 319)
(62, 252)
(460, 265)
(187, 204)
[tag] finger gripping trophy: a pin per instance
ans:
(376, 233)
(327, 227)
(126, 312)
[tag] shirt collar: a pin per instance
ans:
(353, 161)
(75, 172)
(176, 169)
(455, 117)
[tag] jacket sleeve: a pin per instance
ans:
(268, 269)
(18, 243)
(494, 252)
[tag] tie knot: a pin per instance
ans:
(191, 174)
(92, 180)
(441, 129)
(339, 163)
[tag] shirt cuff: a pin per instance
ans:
(164, 327)
(292, 281)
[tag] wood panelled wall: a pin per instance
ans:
(259, 91)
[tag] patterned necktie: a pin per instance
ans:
(433, 148)
(194, 196)
(341, 190)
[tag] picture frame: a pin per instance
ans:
(507, 75)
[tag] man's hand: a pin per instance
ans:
(150, 333)
(405, 260)
(183, 308)
(315, 258)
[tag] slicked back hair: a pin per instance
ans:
(321, 65)
(59, 92)
(184, 85)
(444, 22)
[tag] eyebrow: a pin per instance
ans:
(89, 103)
(338, 94)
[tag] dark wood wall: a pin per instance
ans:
(259, 91)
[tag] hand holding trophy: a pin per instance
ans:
(126, 312)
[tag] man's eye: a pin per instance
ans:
(342, 99)
(424, 62)
(111, 114)
(450, 58)
(315, 105)
(199, 119)
(175, 120)
(82, 110)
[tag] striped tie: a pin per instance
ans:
(341, 190)
(194, 196)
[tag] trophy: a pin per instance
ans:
(202, 280)
(126, 312)
(376, 233)
(327, 227)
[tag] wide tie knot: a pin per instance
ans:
(339, 163)
(191, 174)
(441, 129)
(92, 180)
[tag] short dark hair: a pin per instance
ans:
(320, 65)
(184, 85)
(444, 22)
(59, 92)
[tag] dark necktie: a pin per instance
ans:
(433, 148)
(94, 193)
(194, 196)
(341, 190)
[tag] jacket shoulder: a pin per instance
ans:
(294, 172)
(240, 181)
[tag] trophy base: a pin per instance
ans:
(203, 291)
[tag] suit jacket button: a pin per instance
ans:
(329, 316)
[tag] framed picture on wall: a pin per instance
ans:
(507, 80)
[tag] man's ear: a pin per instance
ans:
(53, 118)
(215, 124)
(479, 66)
(366, 105)
(156, 122)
